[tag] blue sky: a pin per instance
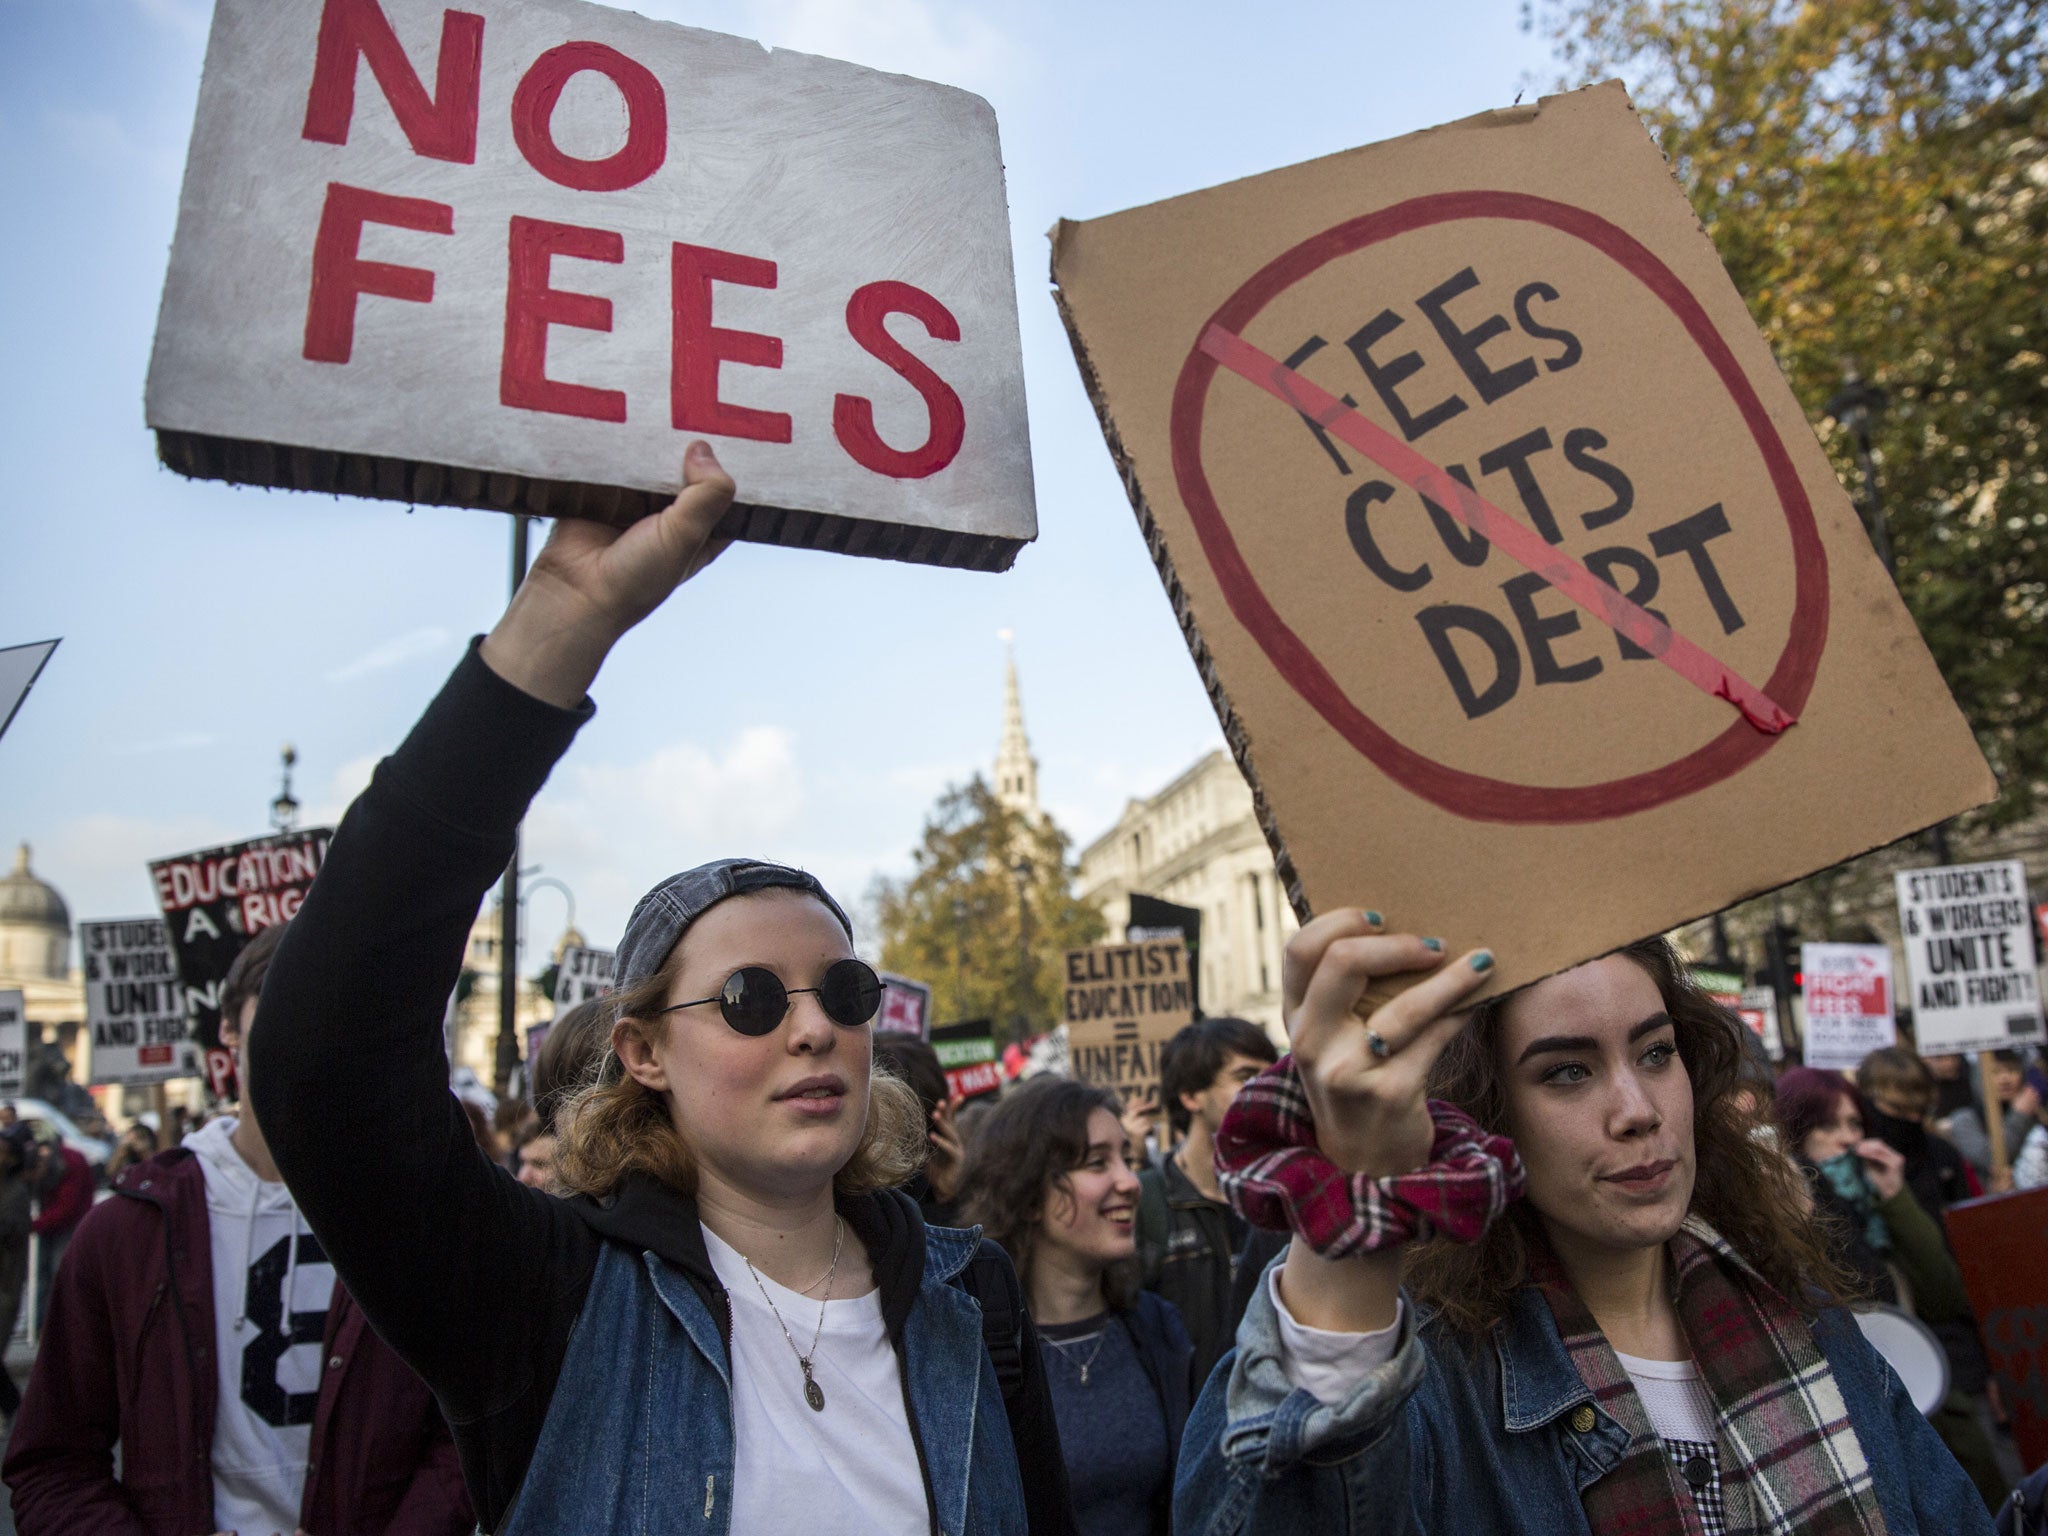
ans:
(798, 705)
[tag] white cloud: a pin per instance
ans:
(343, 785)
(906, 37)
(392, 653)
(100, 862)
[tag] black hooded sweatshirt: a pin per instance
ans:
(475, 1279)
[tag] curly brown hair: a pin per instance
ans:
(611, 1125)
(1035, 1136)
(1745, 1187)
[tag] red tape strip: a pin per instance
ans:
(1516, 540)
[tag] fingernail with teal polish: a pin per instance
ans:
(1373, 919)
(1483, 961)
(1435, 946)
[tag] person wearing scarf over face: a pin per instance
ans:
(1643, 1342)
(735, 1325)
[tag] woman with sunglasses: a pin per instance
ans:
(737, 1325)
(1644, 1342)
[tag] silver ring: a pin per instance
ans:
(1377, 1045)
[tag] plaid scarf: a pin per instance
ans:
(1792, 1455)
(1274, 1175)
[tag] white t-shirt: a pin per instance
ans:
(1673, 1396)
(853, 1465)
(271, 1288)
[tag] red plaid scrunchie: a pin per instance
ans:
(1275, 1177)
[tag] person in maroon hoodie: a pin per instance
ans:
(197, 1324)
(64, 1183)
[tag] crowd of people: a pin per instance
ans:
(1572, 1258)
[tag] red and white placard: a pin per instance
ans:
(519, 252)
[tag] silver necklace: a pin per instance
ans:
(813, 1393)
(1063, 1345)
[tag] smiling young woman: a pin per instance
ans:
(1050, 1178)
(736, 1324)
(1646, 1341)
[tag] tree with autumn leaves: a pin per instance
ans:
(986, 914)
(1874, 174)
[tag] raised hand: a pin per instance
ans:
(592, 582)
(1885, 1168)
(1365, 1078)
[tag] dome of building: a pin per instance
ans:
(35, 924)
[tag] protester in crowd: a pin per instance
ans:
(9, 1116)
(64, 1185)
(199, 1329)
(737, 1314)
(1189, 1239)
(936, 1185)
(1898, 1100)
(1050, 1179)
(17, 1149)
(1952, 1087)
(2014, 1098)
(137, 1144)
(1876, 1225)
(2030, 1166)
(1141, 1116)
(568, 1060)
(1645, 1331)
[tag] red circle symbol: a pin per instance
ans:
(1472, 795)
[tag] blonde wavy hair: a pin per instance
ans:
(612, 1126)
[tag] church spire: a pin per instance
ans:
(1016, 768)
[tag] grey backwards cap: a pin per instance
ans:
(664, 912)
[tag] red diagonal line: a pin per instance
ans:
(1517, 541)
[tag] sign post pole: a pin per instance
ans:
(507, 1056)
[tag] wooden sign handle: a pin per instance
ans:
(1994, 1118)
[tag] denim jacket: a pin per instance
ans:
(1445, 1437)
(613, 1461)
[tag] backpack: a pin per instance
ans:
(1154, 1226)
(991, 1281)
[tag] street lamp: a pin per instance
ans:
(1857, 407)
(284, 810)
(1022, 869)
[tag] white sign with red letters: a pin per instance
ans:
(517, 253)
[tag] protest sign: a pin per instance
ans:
(1506, 554)
(1759, 1010)
(906, 1007)
(20, 666)
(2001, 1246)
(1970, 956)
(13, 1043)
(582, 974)
(967, 1051)
(1847, 998)
(216, 900)
(134, 1004)
(517, 255)
(1122, 1003)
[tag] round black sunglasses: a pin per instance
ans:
(754, 999)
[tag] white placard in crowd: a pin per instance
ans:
(583, 974)
(1848, 998)
(134, 1005)
(13, 1043)
(517, 253)
(906, 1007)
(1759, 1010)
(1968, 932)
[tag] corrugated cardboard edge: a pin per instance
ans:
(1234, 734)
(279, 466)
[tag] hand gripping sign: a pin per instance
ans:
(1530, 605)
(516, 253)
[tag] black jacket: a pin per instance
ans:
(1188, 1246)
(474, 1278)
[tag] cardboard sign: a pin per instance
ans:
(20, 666)
(583, 974)
(967, 1051)
(906, 1007)
(1122, 1003)
(1507, 556)
(134, 1003)
(2001, 1246)
(13, 1043)
(516, 255)
(1847, 997)
(1970, 954)
(216, 900)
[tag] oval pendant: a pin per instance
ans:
(814, 1394)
